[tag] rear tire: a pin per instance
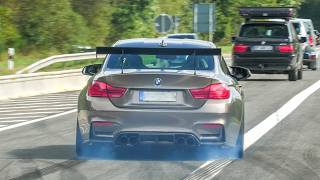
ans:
(240, 141)
(313, 66)
(293, 75)
(300, 74)
(79, 142)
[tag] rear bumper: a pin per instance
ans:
(164, 126)
(308, 61)
(265, 64)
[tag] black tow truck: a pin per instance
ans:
(267, 42)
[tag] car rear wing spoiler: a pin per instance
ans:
(267, 12)
(163, 51)
(159, 51)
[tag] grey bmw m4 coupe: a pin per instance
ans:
(168, 92)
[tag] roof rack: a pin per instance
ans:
(267, 12)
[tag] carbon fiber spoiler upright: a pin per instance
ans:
(164, 51)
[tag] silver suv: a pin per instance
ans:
(305, 29)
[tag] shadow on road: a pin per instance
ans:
(143, 153)
(160, 153)
(45, 152)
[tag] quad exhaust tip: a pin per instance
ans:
(134, 139)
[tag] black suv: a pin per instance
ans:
(268, 44)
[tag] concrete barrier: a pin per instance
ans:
(14, 86)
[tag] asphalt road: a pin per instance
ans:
(45, 149)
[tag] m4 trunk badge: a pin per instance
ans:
(157, 81)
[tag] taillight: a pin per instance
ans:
(102, 123)
(212, 126)
(102, 89)
(240, 48)
(310, 40)
(286, 48)
(213, 91)
(313, 56)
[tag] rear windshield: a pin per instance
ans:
(175, 62)
(264, 31)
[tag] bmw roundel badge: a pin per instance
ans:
(157, 81)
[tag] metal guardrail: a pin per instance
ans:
(61, 58)
(23, 77)
(58, 58)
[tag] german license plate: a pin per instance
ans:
(262, 48)
(157, 96)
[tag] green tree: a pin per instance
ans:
(50, 25)
(310, 10)
(9, 35)
(131, 19)
(97, 16)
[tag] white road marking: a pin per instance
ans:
(27, 107)
(2, 126)
(34, 109)
(30, 113)
(36, 103)
(36, 120)
(52, 96)
(38, 100)
(254, 134)
(20, 117)
(266, 125)
(12, 121)
(42, 99)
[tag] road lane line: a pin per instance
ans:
(266, 125)
(254, 134)
(37, 103)
(20, 117)
(12, 121)
(27, 107)
(36, 120)
(33, 109)
(30, 113)
(56, 96)
(39, 100)
(2, 125)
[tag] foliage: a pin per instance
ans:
(55, 26)
(310, 10)
(131, 18)
(49, 25)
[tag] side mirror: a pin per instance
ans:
(91, 69)
(303, 39)
(240, 73)
(233, 39)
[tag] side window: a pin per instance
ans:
(308, 29)
(293, 32)
(224, 66)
